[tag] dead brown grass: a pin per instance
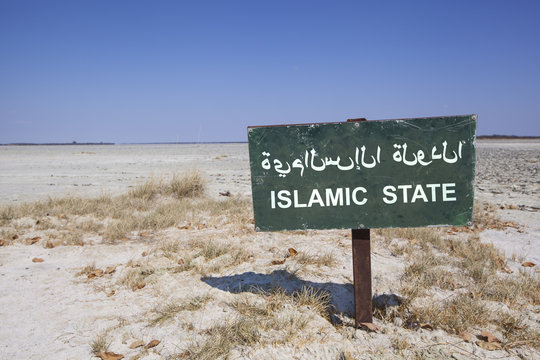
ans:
(210, 249)
(100, 344)
(273, 312)
(189, 184)
(316, 300)
(459, 313)
(222, 338)
(516, 332)
(325, 259)
(72, 237)
(154, 205)
(476, 271)
(136, 275)
(170, 309)
(86, 270)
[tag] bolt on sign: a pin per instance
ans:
(373, 174)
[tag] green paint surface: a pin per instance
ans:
(338, 175)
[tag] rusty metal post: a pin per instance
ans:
(361, 254)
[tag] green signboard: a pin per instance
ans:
(371, 174)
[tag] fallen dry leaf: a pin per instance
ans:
(528, 264)
(95, 273)
(144, 253)
(111, 293)
(180, 261)
(152, 344)
(426, 326)
(138, 286)
(15, 237)
(292, 252)
(490, 346)
(136, 344)
(370, 327)
(489, 337)
(278, 262)
(33, 240)
(226, 193)
(503, 266)
(466, 336)
(49, 244)
(109, 355)
(3, 243)
(143, 234)
(37, 260)
(185, 227)
(110, 269)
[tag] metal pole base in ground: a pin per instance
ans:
(361, 244)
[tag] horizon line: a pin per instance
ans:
(494, 136)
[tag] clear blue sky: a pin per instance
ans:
(152, 71)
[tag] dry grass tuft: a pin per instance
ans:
(189, 184)
(273, 312)
(170, 248)
(222, 338)
(326, 259)
(210, 249)
(73, 237)
(228, 254)
(170, 309)
(86, 270)
(318, 300)
(100, 344)
(7, 214)
(400, 343)
(455, 315)
(421, 237)
(135, 276)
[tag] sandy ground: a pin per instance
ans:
(508, 173)
(37, 172)
(46, 312)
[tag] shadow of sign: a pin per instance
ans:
(341, 294)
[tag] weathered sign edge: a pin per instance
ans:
(474, 117)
